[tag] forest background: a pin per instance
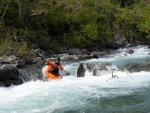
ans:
(50, 24)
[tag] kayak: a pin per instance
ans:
(125, 54)
(50, 75)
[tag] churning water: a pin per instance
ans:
(126, 94)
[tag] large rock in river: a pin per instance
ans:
(135, 67)
(81, 70)
(9, 74)
(106, 68)
(95, 70)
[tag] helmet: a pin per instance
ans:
(58, 58)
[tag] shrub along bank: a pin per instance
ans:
(50, 24)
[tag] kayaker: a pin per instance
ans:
(53, 67)
(131, 51)
(58, 64)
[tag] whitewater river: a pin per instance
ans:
(127, 94)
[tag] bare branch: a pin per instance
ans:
(5, 10)
(15, 36)
(129, 76)
(20, 7)
(113, 76)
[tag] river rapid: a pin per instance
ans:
(130, 93)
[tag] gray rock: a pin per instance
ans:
(81, 70)
(83, 56)
(97, 54)
(120, 39)
(8, 59)
(135, 67)
(67, 57)
(32, 53)
(89, 66)
(74, 51)
(1, 61)
(40, 53)
(28, 60)
(9, 74)
(37, 60)
(96, 70)
(20, 63)
(85, 51)
(99, 69)
(63, 50)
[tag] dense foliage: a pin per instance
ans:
(49, 24)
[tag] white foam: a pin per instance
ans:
(70, 91)
(44, 70)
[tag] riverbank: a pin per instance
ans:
(12, 65)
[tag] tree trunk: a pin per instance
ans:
(5, 10)
(20, 7)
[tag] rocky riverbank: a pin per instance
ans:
(10, 65)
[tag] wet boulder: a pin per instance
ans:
(67, 57)
(97, 54)
(34, 57)
(9, 75)
(40, 53)
(84, 56)
(135, 67)
(20, 63)
(8, 59)
(94, 69)
(84, 51)
(1, 61)
(100, 69)
(28, 60)
(36, 60)
(81, 70)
